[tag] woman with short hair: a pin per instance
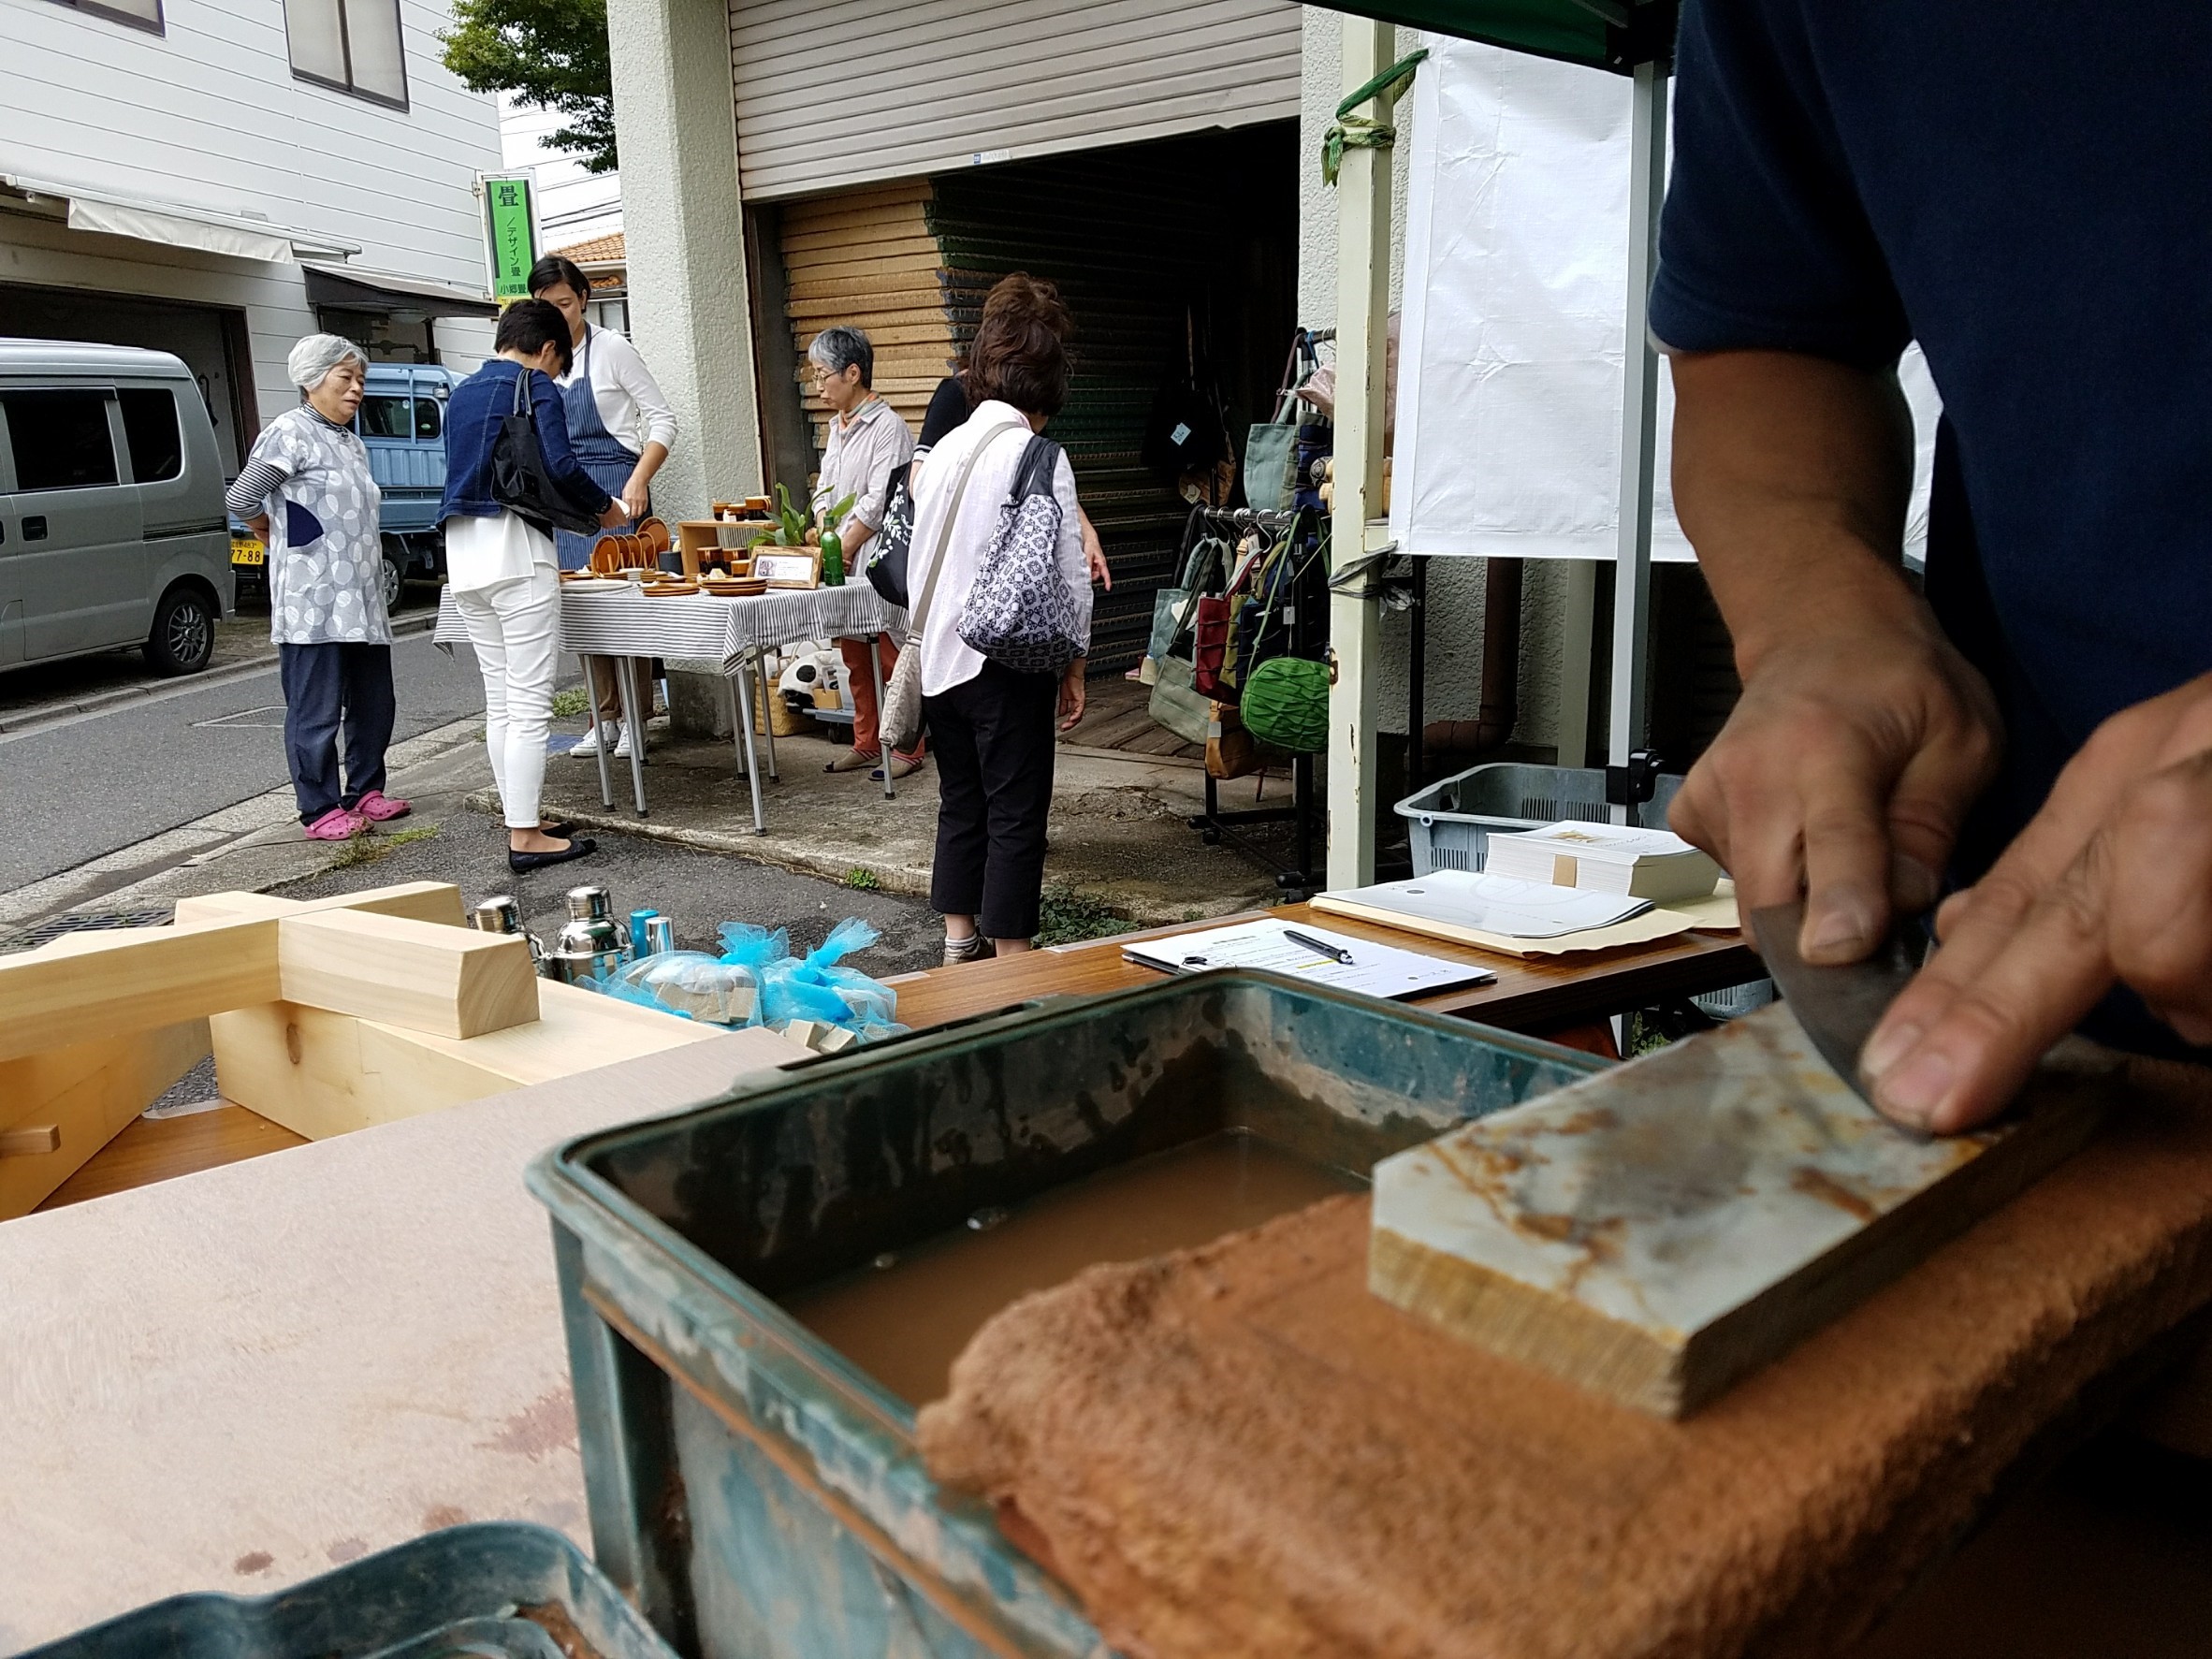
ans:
(621, 430)
(327, 614)
(501, 567)
(991, 726)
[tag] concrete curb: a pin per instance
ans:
(44, 714)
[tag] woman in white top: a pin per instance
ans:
(991, 727)
(501, 567)
(619, 428)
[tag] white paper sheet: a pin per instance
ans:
(1379, 971)
(1497, 904)
(1508, 419)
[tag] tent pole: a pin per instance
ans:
(1363, 306)
(1639, 408)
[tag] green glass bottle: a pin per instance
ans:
(833, 560)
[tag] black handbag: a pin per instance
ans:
(519, 479)
(887, 569)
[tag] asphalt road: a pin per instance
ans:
(92, 785)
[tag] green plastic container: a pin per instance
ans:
(464, 1591)
(760, 1497)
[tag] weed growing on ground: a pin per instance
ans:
(366, 850)
(860, 875)
(570, 703)
(1065, 916)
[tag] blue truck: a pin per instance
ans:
(403, 423)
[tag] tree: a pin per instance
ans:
(552, 54)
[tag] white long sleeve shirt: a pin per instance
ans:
(1003, 433)
(632, 405)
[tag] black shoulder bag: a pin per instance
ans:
(886, 568)
(519, 479)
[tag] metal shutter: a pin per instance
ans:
(832, 93)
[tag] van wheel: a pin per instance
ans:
(184, 636)
(393, 579)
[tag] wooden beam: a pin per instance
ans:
(450, 981)
(88, 986)
(1656, 1231)
(419, 901)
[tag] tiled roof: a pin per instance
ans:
(600, 250)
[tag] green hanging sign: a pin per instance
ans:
(510, 235)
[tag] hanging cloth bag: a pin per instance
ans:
(1021, 612)
(900, 721)
(1271, 447)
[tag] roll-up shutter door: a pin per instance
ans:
(1142, 241)
(836, 92)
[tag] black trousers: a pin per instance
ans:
(993, 740)
(327, 686)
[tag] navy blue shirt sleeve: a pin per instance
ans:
(561, 461)
(1764, 243)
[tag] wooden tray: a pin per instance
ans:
(670, 589)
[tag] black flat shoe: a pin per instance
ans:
(560, 831)
(523, 862)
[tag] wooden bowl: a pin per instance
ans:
(653, 533)
(670, 589)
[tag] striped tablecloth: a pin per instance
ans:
(698, 627)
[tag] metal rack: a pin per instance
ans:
(1305, 616)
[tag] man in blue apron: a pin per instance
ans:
(620, 428)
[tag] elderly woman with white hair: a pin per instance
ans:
(307, 492)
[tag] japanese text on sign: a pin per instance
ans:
(509, 224)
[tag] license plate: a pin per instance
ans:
(244, 550)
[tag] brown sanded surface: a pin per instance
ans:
(152, 1149)
(1237, 1452)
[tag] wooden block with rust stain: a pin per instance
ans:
(1658, 1230)
(447, 981)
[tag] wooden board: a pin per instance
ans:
(1654, 1232)
(152, 1149)
(86, 1094)
(449, 982)
(321, 1074)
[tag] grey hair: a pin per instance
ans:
(315, 357)
(844, 347)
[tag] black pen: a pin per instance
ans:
(1335, 952)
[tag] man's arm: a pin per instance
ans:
(1862, 735)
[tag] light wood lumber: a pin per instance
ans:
(450, 981)
(86, 987)
(320, 1073)
(419, 901)
(30, 1139)
(85, 1094)
(1656, 1231)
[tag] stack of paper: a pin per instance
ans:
(1379, 971)
(1606, 858)
(1485, 904)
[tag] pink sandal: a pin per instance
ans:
(379, 808)
(337, 824)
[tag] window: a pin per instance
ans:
(385, 416)
(429, 420)
(150, 431)
(353, 45)
(60, 440)
(139, 14)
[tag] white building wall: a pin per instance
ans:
(209, 114)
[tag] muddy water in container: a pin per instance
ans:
(905, 1317)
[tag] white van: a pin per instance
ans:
(112, 530)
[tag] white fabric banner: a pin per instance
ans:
(1510, 388)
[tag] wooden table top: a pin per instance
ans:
(1528, 995)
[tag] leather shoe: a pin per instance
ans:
(523, 862)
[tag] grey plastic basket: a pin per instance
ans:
(1448, 824)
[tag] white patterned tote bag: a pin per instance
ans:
(1019, 612)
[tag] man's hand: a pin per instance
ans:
(2111, 880)
(614, 516)
(1071, 695)
(1843, 772)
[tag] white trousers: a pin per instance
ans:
(513, 627)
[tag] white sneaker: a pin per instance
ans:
(621, 749)
(588, 746)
